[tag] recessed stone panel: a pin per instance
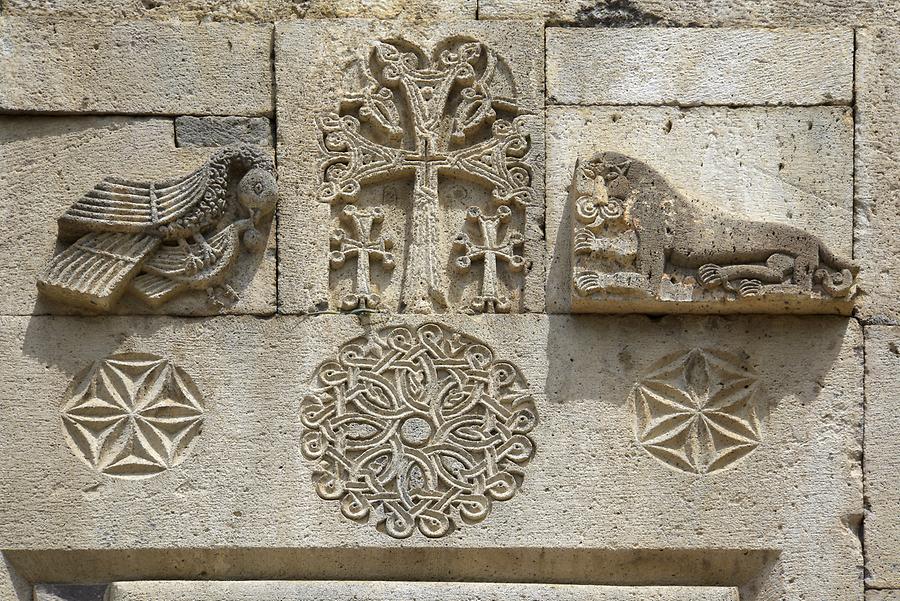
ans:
(142, 68)
(688, 67)
(789, 166)
(406, 202)
(55, 161)
(771, 492)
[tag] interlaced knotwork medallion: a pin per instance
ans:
(697, 410)
(419, 427)
(132, 415)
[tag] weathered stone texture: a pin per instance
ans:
(408, 591)
(143, 68)
(689, 67)
(53, 161)
(222, 131)
(882, 595)
(877, 232)
(328, 53)
(243, 10)
(787, 165)
(691, 13)
(882, 457)
(783, 492)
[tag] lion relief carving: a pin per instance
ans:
(633, 234)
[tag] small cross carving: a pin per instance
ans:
(492, 249)
(355, 239)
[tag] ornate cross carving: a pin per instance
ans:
(357, 241)
(451, 127)
(493, 249)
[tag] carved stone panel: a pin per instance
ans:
(433, 135)
(132, 415)
(633, 236)
(649, 215)
(127, 236)
(418, 428)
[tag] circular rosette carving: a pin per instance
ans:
(418, 429)
(697, 411)
(132, 415)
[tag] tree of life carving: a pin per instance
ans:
(418, 428)
(697, 411)
(421, 118)
(132, 415)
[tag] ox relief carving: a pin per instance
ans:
(410, 121)
(635, 238)
(156, 241)
(418, 428)
(132, 415)
(697, 410)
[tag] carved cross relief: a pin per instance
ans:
(421, 119)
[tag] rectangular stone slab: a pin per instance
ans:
(693, 13)
(405, 591)
(878, 172)
(596, 505)
(882, 457)
(252, 11)
(47, 163)
(689, 67)
(785, 165)
(143, 68)
(317, 64)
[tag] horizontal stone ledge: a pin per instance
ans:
(161, 590)
(135, 68)
(690, 67)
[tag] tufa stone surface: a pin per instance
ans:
(689, 67)
(695, 13)
(882, 464)
(440, 217)
(135, 67)
(877, 241)
(222, 131)
(243, 10)
(762, 500)
(408, 591)
(882, 595)
(54, 162)
(782, 165)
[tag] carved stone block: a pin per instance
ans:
(704, 210)
(425, 131)
(882, 457)
(877, 222)
(244, 10)
(57, 167)
(691, 13)
(76, 66)
(684, 451)
(222, 131)
(407, 591)
(688, 67)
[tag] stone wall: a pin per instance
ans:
(449, 300)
